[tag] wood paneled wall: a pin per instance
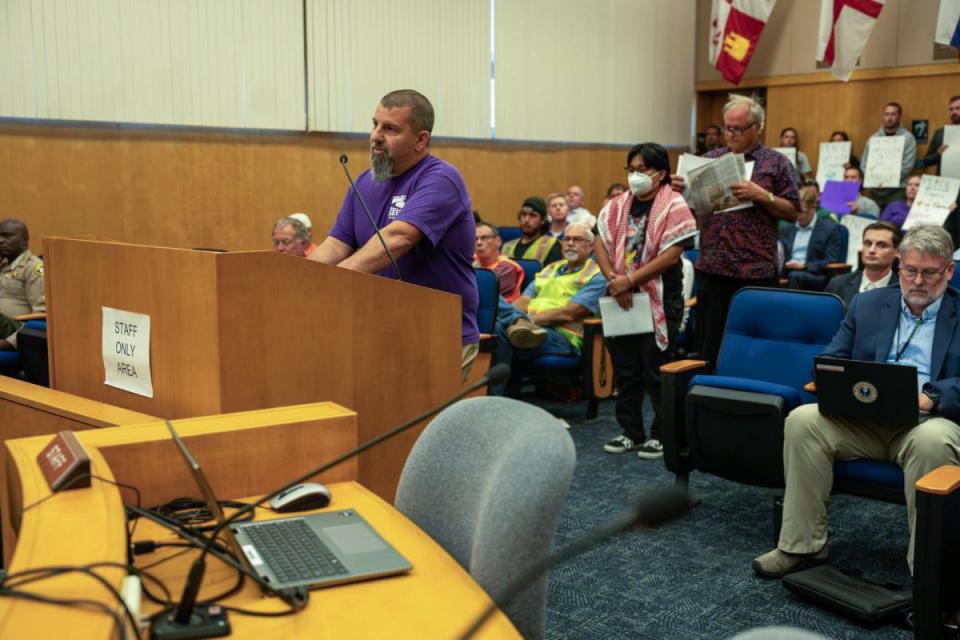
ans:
(816, 104)
(225, 189)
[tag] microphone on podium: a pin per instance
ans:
(184, 615)
(376, 229)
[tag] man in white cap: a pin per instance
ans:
(304, 219)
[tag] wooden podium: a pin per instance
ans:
(251, 330)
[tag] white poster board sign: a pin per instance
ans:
(833, 155)
(884, 162)
(126, 351)
(932, 204)
(790, 152)
(855, 224)
(950, 160)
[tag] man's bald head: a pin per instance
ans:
(14, 238)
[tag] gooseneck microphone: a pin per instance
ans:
(376, 229)
(188, 599)
(650, 510)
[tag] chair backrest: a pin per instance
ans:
(774, 334)
(530, 269)
(955, 279)
(509, 233)
(488, 286)
(844, 241)
(487, 479)
(692, 255)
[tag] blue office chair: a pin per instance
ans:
(729, 422)
(955, 279)
(488, 286)
(530, 269)
(509, 233)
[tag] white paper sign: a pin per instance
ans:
(932, 204)
(950, 160)
(126, 351)
(833, 155)
(617, 322)
(884, 162)
(790, 152)
(856, 225)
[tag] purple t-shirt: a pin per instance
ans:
(432, 197)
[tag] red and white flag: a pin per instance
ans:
(735, 29)
(845, 26)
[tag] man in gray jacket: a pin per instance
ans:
(892, 111)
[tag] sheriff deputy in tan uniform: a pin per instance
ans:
(21, 280)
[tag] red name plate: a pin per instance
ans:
(64, 463)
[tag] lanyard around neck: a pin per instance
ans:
(916, 325)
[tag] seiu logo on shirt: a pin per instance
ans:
(396, 205)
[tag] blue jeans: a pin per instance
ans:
(555, 344)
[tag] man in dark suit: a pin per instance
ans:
(881, 241)
(913, 325)
(809, 245)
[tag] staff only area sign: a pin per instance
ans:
(126, 351)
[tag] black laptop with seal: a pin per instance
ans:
(881, 392)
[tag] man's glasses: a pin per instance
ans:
(929, 275)
(575, 239)
(736, 131)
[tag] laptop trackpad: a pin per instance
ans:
(354, 538)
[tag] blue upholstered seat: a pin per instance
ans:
(488, 287)
(730, 422)
(530, 270)
(509, 233)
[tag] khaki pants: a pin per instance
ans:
(468, 353)
(813, 442)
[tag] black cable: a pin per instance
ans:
(77, 479)
(192, 513)
(295, 605)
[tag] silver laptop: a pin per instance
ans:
(315, 550)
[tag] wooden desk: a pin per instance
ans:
(437, 599)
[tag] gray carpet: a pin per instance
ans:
(691, 578)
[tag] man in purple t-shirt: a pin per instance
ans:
(420, 205)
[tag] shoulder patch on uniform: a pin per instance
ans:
(39, 269)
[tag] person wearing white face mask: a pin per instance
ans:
(642, 234)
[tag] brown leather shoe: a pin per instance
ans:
(525, 334)
(776, 563)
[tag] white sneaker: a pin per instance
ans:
(620, 444)
(650, 450)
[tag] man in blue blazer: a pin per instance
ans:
(917, 325)
(810, 245)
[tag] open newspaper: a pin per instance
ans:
(709, 182)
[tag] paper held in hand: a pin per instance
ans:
(833, 155)
(884, 162)
(950, 160)
(932, 204)
(618, 322)
(709, 180)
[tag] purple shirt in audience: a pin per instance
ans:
(432, 197)
(743, 244)
(896, 212)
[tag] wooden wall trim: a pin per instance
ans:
(825, 77)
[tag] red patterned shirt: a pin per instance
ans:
(743, 244)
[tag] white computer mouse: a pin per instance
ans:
(301, 497)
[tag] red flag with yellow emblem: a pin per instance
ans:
(735, 29)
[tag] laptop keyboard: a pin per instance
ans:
(293, 551)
